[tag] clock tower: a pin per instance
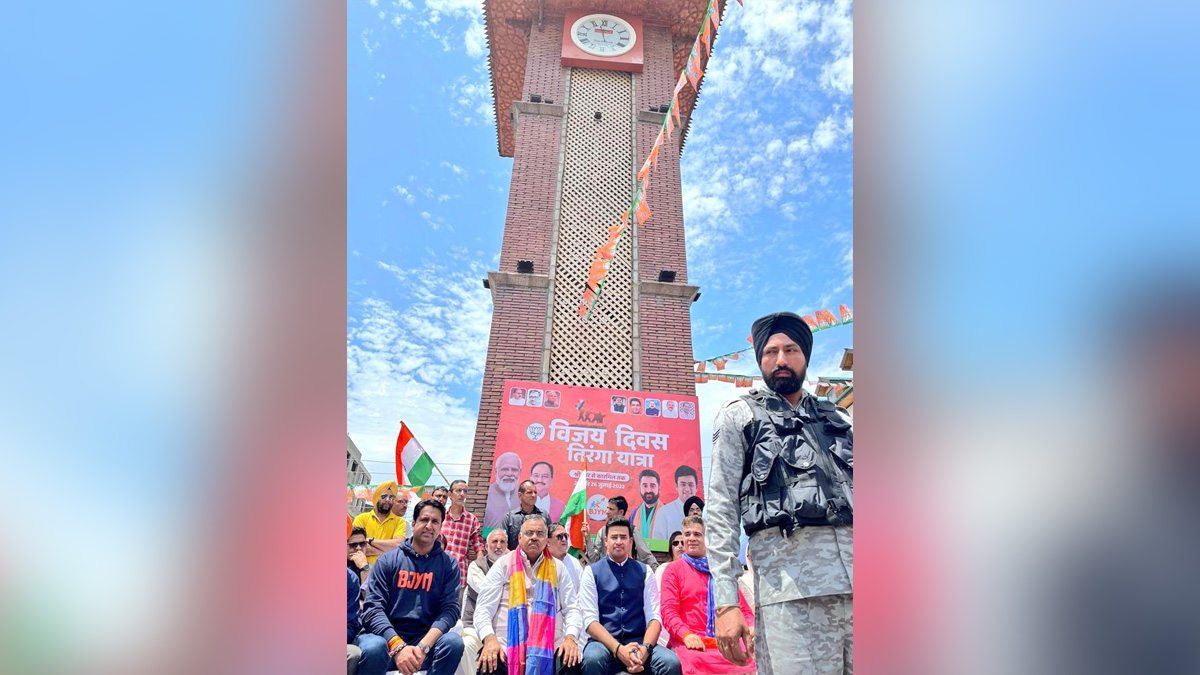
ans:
(580, 92)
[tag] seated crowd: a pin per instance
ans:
(444, 601)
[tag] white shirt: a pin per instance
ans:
(475, 576)
(589, 599)
(491, 607)
(669, 519)
(574, 568)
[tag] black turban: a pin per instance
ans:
(787, 323)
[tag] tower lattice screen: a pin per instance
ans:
(596, 188)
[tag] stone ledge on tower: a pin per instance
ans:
(527, 108)
(657, 118)
(669, 290)
(515, 280)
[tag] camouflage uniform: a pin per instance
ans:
(804, 583)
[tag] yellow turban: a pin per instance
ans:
(349, 526)
(382, 489)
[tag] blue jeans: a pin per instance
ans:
(597, 660)
(374, 659)
(443, 660)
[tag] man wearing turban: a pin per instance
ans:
(384, 523)
(782, 466)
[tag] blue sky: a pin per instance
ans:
(768, 205)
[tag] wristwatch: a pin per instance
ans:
(647, 646)
(423, 648)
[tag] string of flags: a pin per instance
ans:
(639, 209)
(817, 321)
(735, 380)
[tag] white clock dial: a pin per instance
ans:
(603, 35)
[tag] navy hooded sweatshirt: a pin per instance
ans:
(351, 606)
(409, 593)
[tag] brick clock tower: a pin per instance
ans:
(581, 90)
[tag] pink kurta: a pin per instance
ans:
(684, 601)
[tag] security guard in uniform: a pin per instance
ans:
(783, 466)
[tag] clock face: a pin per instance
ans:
(603, 35)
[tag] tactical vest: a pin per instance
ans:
(799, 466)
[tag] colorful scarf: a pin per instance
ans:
(531, 636)
(701, 565)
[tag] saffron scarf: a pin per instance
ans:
(531, 631)
(701, 565)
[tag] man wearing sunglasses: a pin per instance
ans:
(356, 554)
(560, 542)
(384, 523)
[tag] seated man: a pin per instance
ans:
(496, 546)
(412, 599)
(619, 601)
(527, 613)
(559, 546)
(688, 613)
(371, 650)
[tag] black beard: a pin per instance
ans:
(785, 385)
(384, 508)
(650, 499)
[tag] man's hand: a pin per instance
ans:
(693, 641)
(491, 654)
(409, 660)
(630, 656)
(569, 651)
(585, 529)
(359, 559)
(731, 630)
(481, 554)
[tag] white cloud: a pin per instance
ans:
(471, 99)
(475, 39)
(439, 20)
(826, 134)
(407, 363)
(777, 71)
(408, 196)
(839, 75)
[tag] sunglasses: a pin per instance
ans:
(677, 543)
(358, 544)
(562, 536)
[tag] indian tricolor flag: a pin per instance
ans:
(413, 464)
(575, 511)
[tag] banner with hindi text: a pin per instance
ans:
(644, 446)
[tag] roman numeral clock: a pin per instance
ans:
(580, 93)
(603, 35)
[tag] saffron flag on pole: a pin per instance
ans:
(413, 464)
(575, 511)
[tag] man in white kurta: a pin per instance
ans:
(491, 610)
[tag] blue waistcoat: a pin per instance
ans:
(619, 596)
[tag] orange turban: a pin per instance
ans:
(382, 489)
